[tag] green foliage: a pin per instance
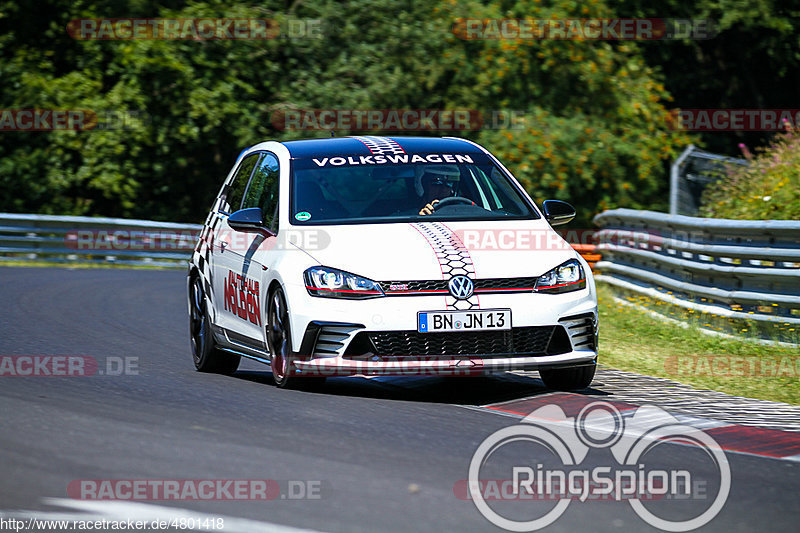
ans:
(766, 189)
(594, 130)
(751, 61)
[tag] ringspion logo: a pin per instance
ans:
(634, 474)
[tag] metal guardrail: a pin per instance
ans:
(691, 173)
(737, 269)
(72, 239)
(743, 270)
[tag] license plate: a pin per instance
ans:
(485, 319)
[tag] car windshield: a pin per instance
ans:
(397, 188)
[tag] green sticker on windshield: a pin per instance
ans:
(302, 216)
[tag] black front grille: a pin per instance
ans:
(534, 340)
(481, 285)
(494, 284)
(415, 285)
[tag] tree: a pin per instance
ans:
(593, 129)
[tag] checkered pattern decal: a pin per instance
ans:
(202, 253)
(453, 258)
(380, 145)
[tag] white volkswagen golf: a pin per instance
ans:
(378, 255)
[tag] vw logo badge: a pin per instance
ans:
(460, 287)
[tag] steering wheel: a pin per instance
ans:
(450, 200)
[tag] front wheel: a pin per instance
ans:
(566, 379)
(207, 357)
(279, 341)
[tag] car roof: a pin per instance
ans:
(373, 145)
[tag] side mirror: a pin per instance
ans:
(249, 220)
(557, 212)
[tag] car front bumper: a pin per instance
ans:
(438, 365)
(325, 332)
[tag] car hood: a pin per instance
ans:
(425, 251)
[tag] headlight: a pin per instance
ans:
(333, 283)
(564, 278)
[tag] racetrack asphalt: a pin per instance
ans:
(384, 453)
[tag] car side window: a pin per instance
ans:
(263, 189)
(232, 197)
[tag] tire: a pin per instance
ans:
(207, 356)
(279, 342)
(567, 379)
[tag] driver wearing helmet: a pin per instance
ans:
(435, 183)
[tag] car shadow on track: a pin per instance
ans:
(477, 390)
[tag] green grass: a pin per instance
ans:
(638, 342)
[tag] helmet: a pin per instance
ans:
(446, 174)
